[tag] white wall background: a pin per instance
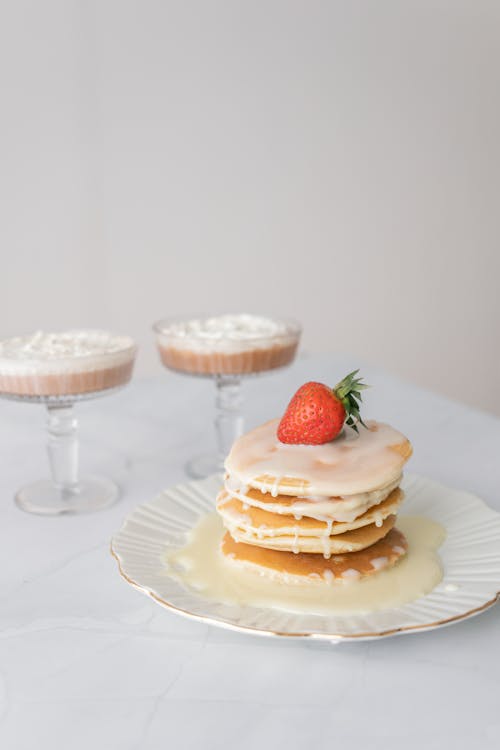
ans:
(334, 161)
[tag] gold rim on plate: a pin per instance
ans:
(470, 554)
(316, 636)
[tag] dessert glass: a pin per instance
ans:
(226, 348)
(59, 384)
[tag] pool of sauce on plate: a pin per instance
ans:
(200, 566)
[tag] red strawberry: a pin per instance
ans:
(317, 413)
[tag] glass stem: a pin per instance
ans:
(63, 447)
(228, 418)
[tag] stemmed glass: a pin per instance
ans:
(66, 492)
(227, 360)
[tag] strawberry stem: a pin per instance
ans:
(348, 391)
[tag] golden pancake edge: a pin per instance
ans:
(289, 510)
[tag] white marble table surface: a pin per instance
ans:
(88, 662)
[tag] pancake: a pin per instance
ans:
(344, 509)
(254, 519)
(348, 542)
(353, 463)
(287, 567)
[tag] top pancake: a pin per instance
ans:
(350, 464)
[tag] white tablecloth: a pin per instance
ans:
(87, 663)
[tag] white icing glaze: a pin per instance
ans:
(399, 550)
(67, 351)
(379, 562)
(216, 578)
(325, 539)
(226, 333)
(295, 544)
(241, 526)
(240, 519)
(292, 539)
(345, 509)
(351, 574)
(234, 484)
(351, 464)
(275, 487)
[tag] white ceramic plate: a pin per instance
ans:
(470, 557)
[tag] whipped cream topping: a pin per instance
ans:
(238, 332)
(75, 349)
(353, 463)
(45, 346)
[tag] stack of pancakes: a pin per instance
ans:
(314, 512)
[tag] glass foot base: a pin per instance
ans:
(203, 466)
(46, 499)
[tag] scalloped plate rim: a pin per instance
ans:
(267, 632)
